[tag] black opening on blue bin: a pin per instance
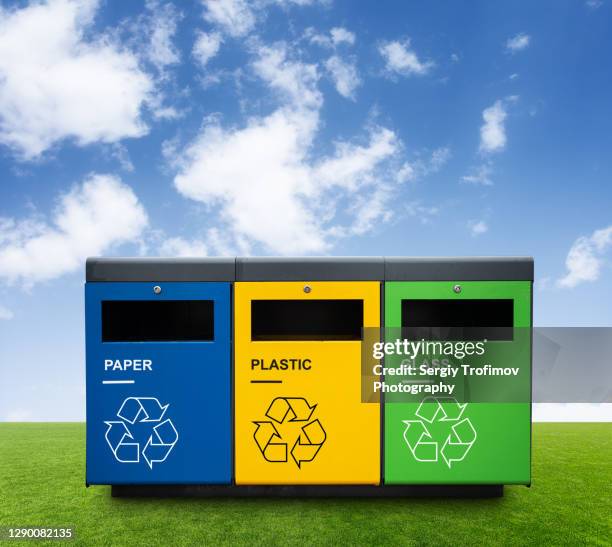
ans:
(306, 320)
(465, 319)
(157, 320)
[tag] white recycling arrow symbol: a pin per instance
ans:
(160, 442)
(456, 445)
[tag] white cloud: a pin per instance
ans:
(89, 220)
(263, 195)
(439, 158)
(206, 46)
(278, 195)
(318, 38)
(518, 42)
(238, 18)
(285, 3)
(178, 246)
(227, 244)
(477, 227)
(57, 83)
(340, 35)
(594, 4)
(164, 112)
(296, 82)
(351, 162)
(336, 37)
(234, 17)
(493, 131)
(121, 154)
(406, 173)
(5, 313)
(481, 175)
(412, 170)
(586, 257)
(400, 59)
(369, 209)
(422, 212)
(161, 50)
(344, 75)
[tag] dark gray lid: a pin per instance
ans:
(323, 268)
(489, 268)
(311, 269)
(160, 269)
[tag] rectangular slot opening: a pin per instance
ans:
(158, 320)
(457, 320)
(306, 319)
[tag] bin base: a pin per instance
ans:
(308, 491)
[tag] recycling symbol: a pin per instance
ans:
(292, 415)
(460, 439)
(144, 414)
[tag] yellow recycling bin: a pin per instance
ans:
(299, 418)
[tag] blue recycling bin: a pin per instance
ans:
(158, 372)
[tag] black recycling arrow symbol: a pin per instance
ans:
(308, 443)
(289, 410)
(265, 433)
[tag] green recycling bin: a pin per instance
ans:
(477, 428)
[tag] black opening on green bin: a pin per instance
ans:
(465, 319)
(306, 319)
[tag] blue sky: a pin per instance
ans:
(293, 127)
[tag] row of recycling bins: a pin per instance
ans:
(247, 371)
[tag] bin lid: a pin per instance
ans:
(486, 268)
(160, 269)
(325, 268)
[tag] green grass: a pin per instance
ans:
(570, 502)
